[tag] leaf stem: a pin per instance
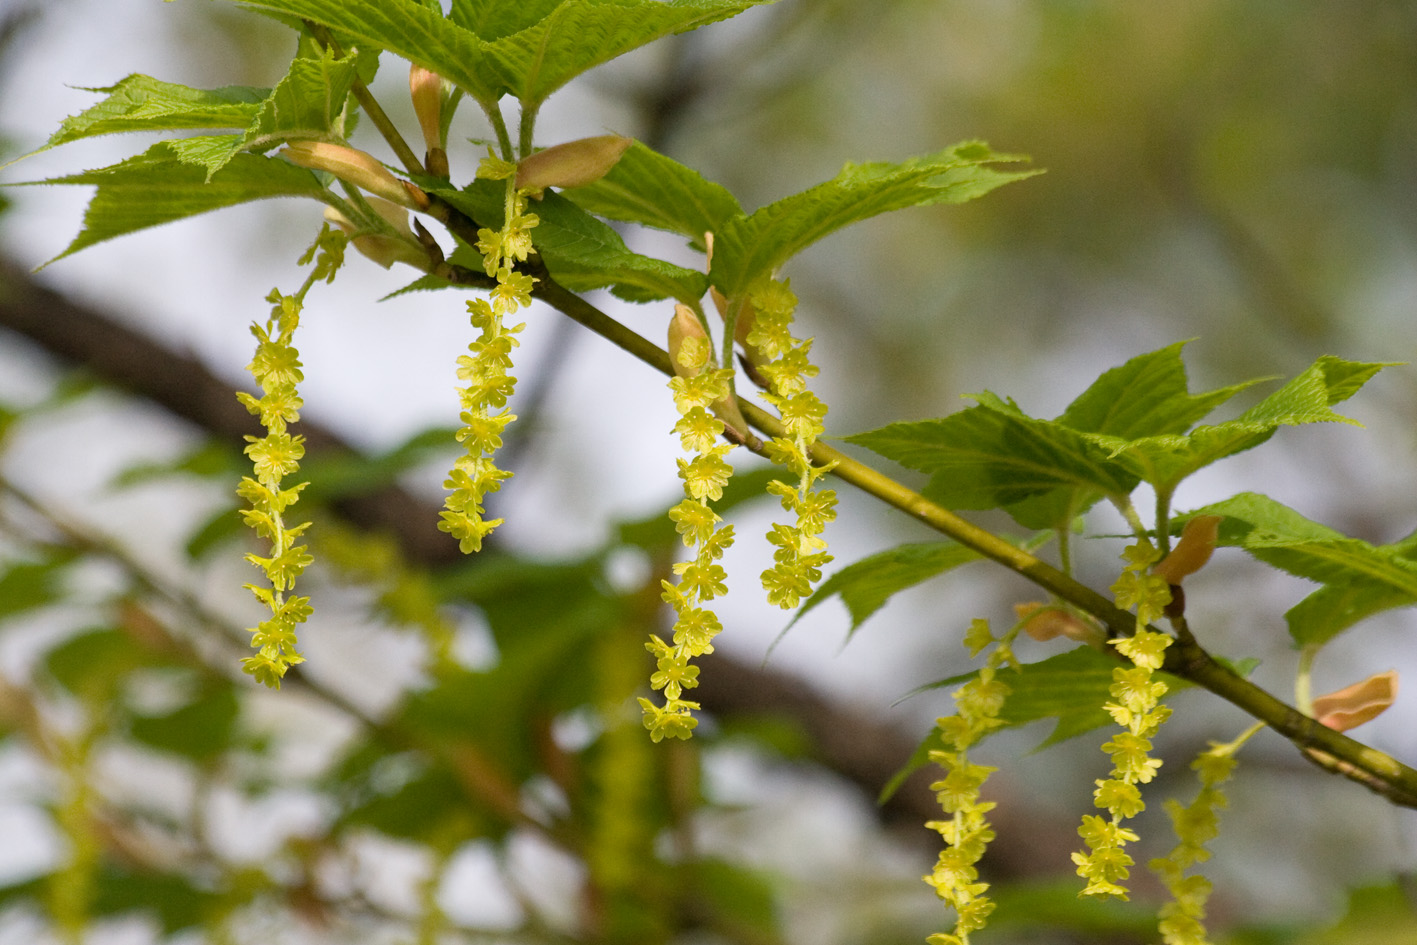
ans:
(371, 106)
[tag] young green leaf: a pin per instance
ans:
(1147, 396)
(994, 455)
(408, 29)
(750, 247)
(578, 35)
(306, 103)
(866, 585)
(142, 103)
(493, 19)
(1360, 579)
(1165, 460)
(656, 191)
(155, 188)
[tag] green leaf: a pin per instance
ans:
(200, 730)
(1360, 579)
(648, 188)
(1147, 396)
(1165, 460)
(866, 585)
(155, 188)
(306, 103)
(748, 248)
(408, 29)
(94, 664)
(583, 253)
(578, 35)
(994, 455)
(26, 585)
(493, 19)
(142, 103)
(177, 903)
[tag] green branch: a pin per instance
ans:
(1330, 749)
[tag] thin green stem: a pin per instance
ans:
(1303, 680)
(526, 132)
(1163, 520)
(371, 107)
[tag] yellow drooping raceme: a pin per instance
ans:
(484, 370)
(782, 359)
(697, 386)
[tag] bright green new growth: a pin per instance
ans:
(1136, 707)
(800, 551)
(276, 367)
(702, 578)
(967, 832)
(484, 368)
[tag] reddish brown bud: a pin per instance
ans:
(1352, 706)
(1192, 551)
(1044, 622)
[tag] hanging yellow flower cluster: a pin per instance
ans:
(698, 386)
(967, 832)
(783, 360)
(484, 370)
(1137, 708)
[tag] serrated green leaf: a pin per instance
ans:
(306, 104)
(1360, 579)
(866, 585)
(583, 253)
(493, 19)
(578, 35)
(155, 188)
(142, 103)
(648, 188)
(749, 248)
(993, 455)
(408, 29)
(1146, 396)
(1165, 460)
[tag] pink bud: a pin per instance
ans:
(356, 167)
(1352, 706)
(572, 164)
(426, 89)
